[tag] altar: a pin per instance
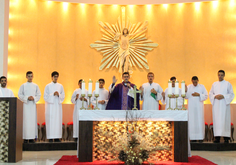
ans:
(94, 125)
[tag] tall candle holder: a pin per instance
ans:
(82, 108)
(96, 107)
(183, 96)
(169, 108)
(89, 107)
(176, 107)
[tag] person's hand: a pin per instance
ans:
(56, 93)
(154, 91)
(77, 96)
(163, 94)
(102, 101)
(114, 80)
(195, 94)
(30, 98)
(219, 97)
(128, 85)
(173, 96)
(141, 89)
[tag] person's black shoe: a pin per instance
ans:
(227, 141)
(50, 140)
(193, 141)
(216, 141)
(200, 141)
(31, 141)
(75, 139)
(57, 140)
(26, 141)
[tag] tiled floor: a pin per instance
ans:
(51, 157)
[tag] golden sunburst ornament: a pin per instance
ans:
(124, 51)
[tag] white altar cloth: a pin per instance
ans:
(120, 115)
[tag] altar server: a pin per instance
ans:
(121, 95)
(5, 92)
(172, 99)
(29, 94)
(196, 95)
(77, 100)
(151, 93)
(103, 96)
(221, 95)
(54, 95)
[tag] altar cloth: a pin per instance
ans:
(120, 115)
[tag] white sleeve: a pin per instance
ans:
(112, 87)
(159, 93)
(230, 94)
(212, 95)
(21, 95)
(37, 94)
(204, 94)
(48, 97)
(73, 97)
(61, 95)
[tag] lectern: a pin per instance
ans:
(11, 121)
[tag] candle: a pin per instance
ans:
(90, 87)
(183, 87)
(169, 88)
(83, 87)
(177, 87)
(97, 88)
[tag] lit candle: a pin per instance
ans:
(83, 87)
(90, 87)
(169, 88)
(177, 87)
(183, 87)
(97, 88)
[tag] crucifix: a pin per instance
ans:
(135, 101)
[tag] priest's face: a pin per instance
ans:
(195, 82)
(125, 77)
(221, 76)
(150, 78)
(101, 84)
(55, 78)
(29, 77)
(3, 82)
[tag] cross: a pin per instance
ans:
(135, 92)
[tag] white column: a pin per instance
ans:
(4, 24)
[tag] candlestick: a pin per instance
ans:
(82, 108)
(176, 107)
(183, 87)
(96, 107)
(169, 108)
(169, 87)
(97, 88)
(83, 87)
(89, 103)
(183, 96)
(90, 87)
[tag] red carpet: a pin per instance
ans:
(73, 160)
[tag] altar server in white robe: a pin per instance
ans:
(221, 95)
(29, 94)
(54, 95)
(103, 96)
(151, 93)
(4, 91)
(165, 99)
(77, 100)
(196, 95)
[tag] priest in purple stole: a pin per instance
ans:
(122, 95)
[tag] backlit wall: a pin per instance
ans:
(194, 39)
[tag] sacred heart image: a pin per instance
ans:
(124, 45)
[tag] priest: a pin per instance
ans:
(54, 95)
(221, 95)
(151, 93)
(77, 100)
(103, 96)
(196, 95)
(122, 95)
(4, 91)
(165, 99)
(29, 94)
